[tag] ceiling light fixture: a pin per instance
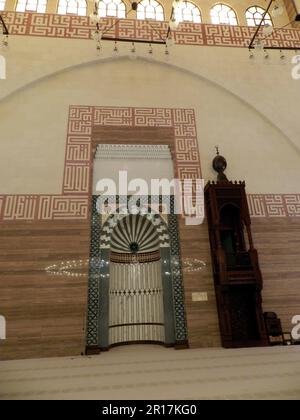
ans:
(266, 30)
(102, 34)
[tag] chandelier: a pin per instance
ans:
(259, 42)
(100, 34)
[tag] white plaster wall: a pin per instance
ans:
(146, 169)
(250, 110)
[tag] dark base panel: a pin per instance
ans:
(237, 345)
(97, 350)
(89, 351)
(181, 345)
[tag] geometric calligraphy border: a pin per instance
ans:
(80, 27)
(74, 201)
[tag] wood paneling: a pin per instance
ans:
(45, 313)
(278, 242)
(133, 135)
(202, 317)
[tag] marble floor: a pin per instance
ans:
(154, 372)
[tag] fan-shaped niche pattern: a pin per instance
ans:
(134, 234)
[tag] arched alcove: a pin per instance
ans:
(135, 234)
(136, 287)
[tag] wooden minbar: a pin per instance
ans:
(237, 276)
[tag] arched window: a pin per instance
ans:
(255, 14)
(2, 4)
(114, 8)
(38, 6)
(187, 12)
(150, 9)
(72, 7)
(222, 14)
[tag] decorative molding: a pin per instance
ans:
(72, 207)
(113, 220)
(95, 267)
(78, 27)
(132, 151)
(82, 119)
(121, 258)
(181, 334)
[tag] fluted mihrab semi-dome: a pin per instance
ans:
(134, 234)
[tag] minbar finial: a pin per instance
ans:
(219, 165)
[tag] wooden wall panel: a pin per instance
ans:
(45, 314)
(133, 135)
(202, 317)
(278, 244)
